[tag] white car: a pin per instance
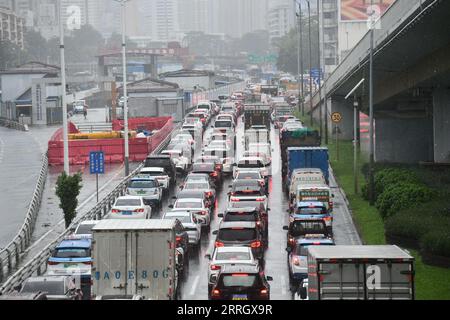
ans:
(130, 207)
(189, 222)
(205, 106)
(197, 206)
(147, 188)
(226, 156)
(84, 228)
(196, 177)
(261, 148)
(182, 163)
(185, 139)
(226, 116)
(253, 164)
(196, 122)
(228, 255)
(157, 173)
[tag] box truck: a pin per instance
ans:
(135, 257)
(360, 273)
(307, 158)
(256, 115)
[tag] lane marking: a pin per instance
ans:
(194, 287)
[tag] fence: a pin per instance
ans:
(37, 265)
(13, 124)
(10, 255)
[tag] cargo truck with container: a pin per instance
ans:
(135, 258)
(307, 158)
(301, 137)
(360, 273)
(256, 115)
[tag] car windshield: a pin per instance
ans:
(240, 216)
(250, 164)
(84, 229)
(196, 185)
(128, 203)
(191, 194)
(143, 184)
(300, 228)
(234, 256)
(248, 175)
(239, 280)
(53, 288)
(237, 234)
(72, 253)
(188, 205)
(311, 211)
(222, 124)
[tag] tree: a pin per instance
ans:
(67, 189)
(36, 46)
(11, 55)
(288, 48)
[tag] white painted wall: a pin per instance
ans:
(14, 85)
(350, 33)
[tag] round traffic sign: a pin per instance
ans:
(336, 117)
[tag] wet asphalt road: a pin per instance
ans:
(195, 286)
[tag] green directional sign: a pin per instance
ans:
(270, 58)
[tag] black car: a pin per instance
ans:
(298, 228)
(241, 282)
(211, 170)
(241, 233)
(163, 161)
(249, 214)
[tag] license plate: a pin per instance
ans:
(126, 213)
(68, 265)
(240, 297)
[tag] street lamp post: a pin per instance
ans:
(310, 63)
(63, 97)
(301, 66)
(125, 93)
(320, 71)
(371, 130)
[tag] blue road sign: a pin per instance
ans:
(97, 162)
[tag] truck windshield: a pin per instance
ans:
(237, 234)
(143, 184)
(239, 280)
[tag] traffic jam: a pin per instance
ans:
(204, 204)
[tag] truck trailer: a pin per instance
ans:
(257, 115)
(307, 158)
(135, 257)
(360, 273)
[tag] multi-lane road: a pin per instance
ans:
(195, 286)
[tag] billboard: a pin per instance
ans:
(357, 10)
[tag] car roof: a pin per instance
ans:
(143, 178)
(250, 159)
(189, 200)
(190, 193)
(75, 243)
(238, 224)
(233, 249)
(152, 169)
(177, 213)
(317, 238)
(129, 198)
(246, 209)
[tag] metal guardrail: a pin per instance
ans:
(11, 254)
(38, 264)
(13, 124)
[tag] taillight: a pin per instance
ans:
(213, 174)
(115, 211)
(218, 167)
(52, 263)
(215, 267)
(203, 119)
(291, 240)
(256, 244)
(296, 261)
(215, 293)
(219, 244)
(260, 199)
(208, 194)
(258, 223)
(139, 210)
(203, 213)
(178, 239)
(88, 263)
(264, 292)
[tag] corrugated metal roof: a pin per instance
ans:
(137, 224)
(33, 67)
(358, 252)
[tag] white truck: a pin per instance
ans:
(135, 258)
(360, 273)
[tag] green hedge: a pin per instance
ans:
(437, 242)
(401, 196)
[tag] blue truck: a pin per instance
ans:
(308, 157)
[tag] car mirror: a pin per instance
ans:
(269, 278)
(289, 249)
(230, 186)
(18, 288)
(268, 209)
(171, 206)
(208, 256)
(215, 232)
(286, 228)
(174, 198)
(220, 215)
(332, 195)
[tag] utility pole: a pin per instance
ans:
(63, 85)
(319, 56)
(310, 63)
(125, 93)
(302, 68)
(299, 59)
(371, 131)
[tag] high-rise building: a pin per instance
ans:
(194, 15)
(11, 27)
(330, 42)
(281, 19)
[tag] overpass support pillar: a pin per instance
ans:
(441, 125)
(345, 108)
(403, 140)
